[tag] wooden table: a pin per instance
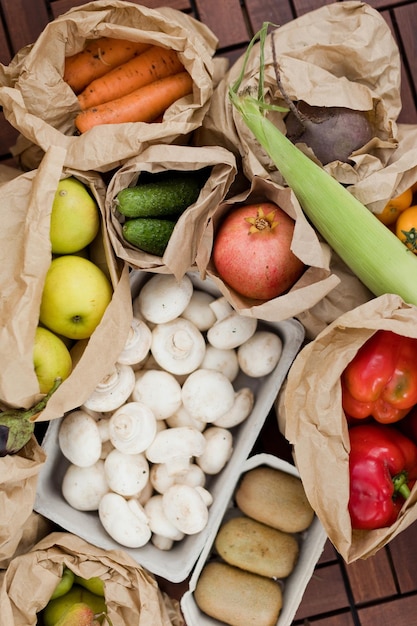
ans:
(382, 590)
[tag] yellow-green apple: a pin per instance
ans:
(57, 608)
(75, 296)
(51, 358)
(75, 217)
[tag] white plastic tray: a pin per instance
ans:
(176, 564)
(313, 540)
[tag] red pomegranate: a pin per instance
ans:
(251, 251)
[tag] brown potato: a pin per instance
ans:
(257, 548)
(275, 498)
(236, 597)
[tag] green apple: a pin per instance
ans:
(75, 217)
(75, 296)
(51, 358)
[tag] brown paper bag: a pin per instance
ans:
(347, 295)
(342, 54)
(131, 593)
(316, 281)
(312, 419)
(399, 173)
(18, 480)
(42, 107)
(182, 248)
(25, 244)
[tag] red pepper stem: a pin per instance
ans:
(400, 485)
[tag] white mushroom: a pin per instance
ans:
(132, 427)
(231, 329)
(163, 297)
(241, 409)
(124, 520)
(106, 448)
(126, 474)
(178, 346)
(161, 479)
(205, 494)
(259, 355)
(103, 428)
(79, 438)
(219, 448)
(138, 343)
(185, 508)
(83, 487)
(146, 493)
(176, 447)
(224, 361)
(158, 521)
(181, 417)
(113, 390)
(198, 310)
(159, 390)
(207, 394)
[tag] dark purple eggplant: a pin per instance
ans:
(18, 425)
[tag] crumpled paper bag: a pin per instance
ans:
(42, 107)
(317, 279)
(18, 480)
(131, 593)
(342, 54)
(310, 416)
(26, 256)
(399, 173)
(183, 244)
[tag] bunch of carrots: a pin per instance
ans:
(117, 81)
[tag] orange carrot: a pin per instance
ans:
(98, 57)
(153, 64)
(142, 105)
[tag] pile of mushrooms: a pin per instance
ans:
(141, 447)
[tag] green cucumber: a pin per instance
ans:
(148, 234)
(162, 198)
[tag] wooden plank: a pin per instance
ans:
(5, 51)
(225, 19)
(371, 579)
(8, 136)
(268, 11)
(25, 20)
(325, 592)
(399, 612)
(304, 6)
(403, 551)
(341, 619)
(406, 19)
(59, 7)
(408, 113)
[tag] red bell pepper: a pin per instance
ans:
(381, 379)
(382, 470)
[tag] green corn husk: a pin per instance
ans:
(377, 257)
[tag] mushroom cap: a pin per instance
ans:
(198, 310)
(124, 520)
(138, 343)
(219, 448)
(132, 427)
(79, 438)
(158, 521)
(176, 447)
(126, 474)
(178, 346)
(207, 394)
(164, 297)
(113, 390)
(159, 390)
(83, 487)
(185, 508)
(241, 409)
(260, 354)
(231, 331)
(222, 360)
